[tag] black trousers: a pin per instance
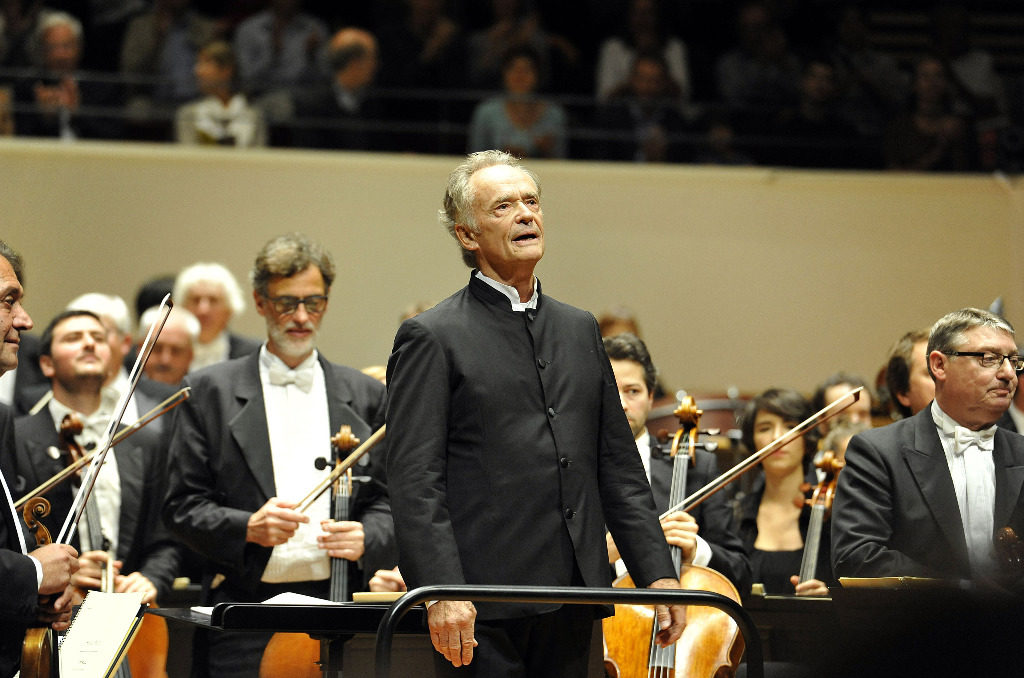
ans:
(550, 645)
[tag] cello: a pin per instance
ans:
(820, 503)
(298, 655)
(711, 644)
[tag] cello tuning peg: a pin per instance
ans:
(320, 463)
(710, 445)
(710, 431)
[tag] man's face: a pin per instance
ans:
(975, 396)
(79, 354)
(210, 75)
(859, 411)
(61, 49)
(209, 303)
(292, 336)
(920, 388)
(171, 355)
(509, 222)
(14, 319)
(636, 398)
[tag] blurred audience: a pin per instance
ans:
(519, 121)
(172, 353)
(224, 117)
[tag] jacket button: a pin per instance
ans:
(569, 513)
(551, 412)
(564, 461)
(541, 363)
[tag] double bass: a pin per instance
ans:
(297, 655)
(711, 644)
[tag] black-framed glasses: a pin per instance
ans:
(286, 305)
(989, 359)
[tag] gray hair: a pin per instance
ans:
(51, 19)
(286, 255)
(178, 315)
(211, 273)
(14, 259)
(458, 196)
(948, 331)
(105, 306)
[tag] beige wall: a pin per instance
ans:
(741, 277)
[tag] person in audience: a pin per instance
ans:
(278, 51)
(924, 496)
(224, 117)
(340, 113)
(930, 136)
(244, 453)
(706, 535)
(643, 32)
(122, 518)
(812, 133)
(906, 374)
(172, 353)
(424, 48)
(519, 121)
(60, 102)
(872, 87)
(761, 72)
(773, 528)
(213, 296)
(160, 47)
(514, 24)
(643, 117)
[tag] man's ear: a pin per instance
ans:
(46, 365)
(937, 362)
(467, 238)
(259, 302)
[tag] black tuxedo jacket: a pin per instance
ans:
(143, 543)
(221, 468)
(508, 451)
(895, 511)
(19, 591)
(714, 515)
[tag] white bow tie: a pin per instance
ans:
(965, 437)
(282, 376)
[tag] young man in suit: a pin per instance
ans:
(244, 450)
(508, 449)
(122, 516)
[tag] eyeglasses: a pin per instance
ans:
(990, 360)
(286, 305)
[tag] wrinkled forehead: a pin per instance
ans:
(988, 338)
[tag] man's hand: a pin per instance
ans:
(387, 580)
(342, 539)
(274, 523)
(451, 625)
(136, 582)
(59, 562)
(91, 565)
(811, 587)
(681, 530)
(55, 611)
(671, 618)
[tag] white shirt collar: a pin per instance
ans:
(512, 293)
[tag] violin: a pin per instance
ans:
(711, 644)
(820, 503)
(296, 655)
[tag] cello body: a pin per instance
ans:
(711, 644)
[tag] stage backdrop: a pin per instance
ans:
(744, 278)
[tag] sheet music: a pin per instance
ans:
(100, 634)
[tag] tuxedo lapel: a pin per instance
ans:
(249, 426)
(926, 461)
(130, 472)
(1008, 459)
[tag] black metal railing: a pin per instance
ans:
(570, 595)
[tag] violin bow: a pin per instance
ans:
(67, 531)
(122, 435)
(789, 436)
(339, 469)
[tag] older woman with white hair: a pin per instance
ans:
(212, 294)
